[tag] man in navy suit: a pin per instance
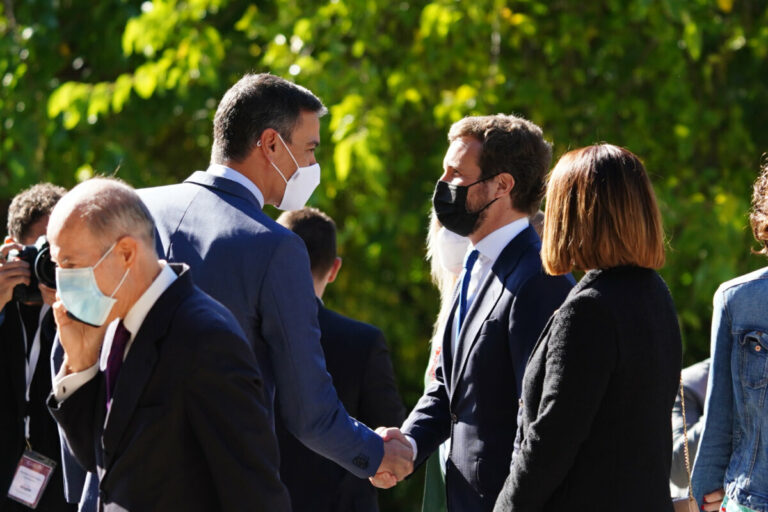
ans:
(265, 133)
(159, 392)
(358, 360)
(493, 180)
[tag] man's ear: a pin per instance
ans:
(505, 182)
(127, 248)
(268, 142)
(334, 270)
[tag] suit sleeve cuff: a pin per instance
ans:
(413, 445)
(65, 385)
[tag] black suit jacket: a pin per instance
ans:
(44, 436)
(474, 397)
(595, 430)
(358, 361)
(189, 427)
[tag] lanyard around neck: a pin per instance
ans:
(32, 360)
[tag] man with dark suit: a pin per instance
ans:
(493, 180)
(159, 392)
(265, 133)
(358, 361)
(27, 331)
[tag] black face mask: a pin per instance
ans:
(450, 204)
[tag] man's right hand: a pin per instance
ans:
(81, 342)
(398, 459)
(12, 273)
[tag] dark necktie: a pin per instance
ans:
(469, 262)
(115, 359)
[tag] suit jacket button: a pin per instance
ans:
(361, 461)
(454, 418)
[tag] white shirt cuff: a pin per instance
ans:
(413, 445)
(65, 385)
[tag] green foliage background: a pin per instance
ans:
(131, 87)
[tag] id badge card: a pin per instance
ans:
(32, 475)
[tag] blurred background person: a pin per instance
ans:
(695, 389)
(606, 368)
(27, 331)
(732, 463)
(357, 359)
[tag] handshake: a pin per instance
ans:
(398, 458)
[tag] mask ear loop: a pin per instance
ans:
(120, 283)
(289, 151)
(125, 275)
(258, 144)
(105, 254)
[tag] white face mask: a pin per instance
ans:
(450, 249)
(81, 295)
(301, 185)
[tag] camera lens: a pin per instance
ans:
(45, 269)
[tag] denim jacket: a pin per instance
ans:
(733, 453)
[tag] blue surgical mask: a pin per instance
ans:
(81, 295)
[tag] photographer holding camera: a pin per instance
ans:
(27, 331)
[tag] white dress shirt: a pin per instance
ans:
(222, 171)
(489, 249)
(64, 385)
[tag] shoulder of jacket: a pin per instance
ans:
(757, 278)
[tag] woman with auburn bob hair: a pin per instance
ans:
(731, 469)
(594, 429)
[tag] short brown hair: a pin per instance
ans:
(31, 205)
(318, 231)
(600, 212)
(512, 145)
(758, 216)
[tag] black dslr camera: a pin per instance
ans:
(42, 270)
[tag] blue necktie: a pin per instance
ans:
(469, 262)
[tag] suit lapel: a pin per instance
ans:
(448, 355)
(140, 363)
(134, 374)
(486, 299)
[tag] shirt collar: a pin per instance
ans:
(491, 246)
(138, 312)
(222, 171)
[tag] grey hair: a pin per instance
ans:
(110, 208)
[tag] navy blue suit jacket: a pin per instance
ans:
(474, 398)
(260, 271)
(189, 427)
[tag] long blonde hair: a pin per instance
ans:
(445, 281)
